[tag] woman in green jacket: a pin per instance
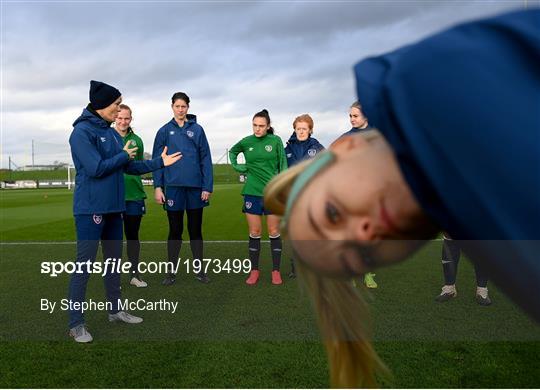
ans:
(134, 194)
(265, 158)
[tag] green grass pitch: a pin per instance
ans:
(227, 334)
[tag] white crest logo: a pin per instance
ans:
(289, 155)
(97, 219)
(171, 132)
(190, 133)
(170, 202)
(312, 152)
(103, 139)
(248, 205)
(268, 148)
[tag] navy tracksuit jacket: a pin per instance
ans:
(461, 111)
(194, 169)
(297, 151)
(98, 201)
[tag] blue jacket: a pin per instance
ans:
(297, 151)
(100, 162)
(355, 130)
(461, 110)
(194, 169)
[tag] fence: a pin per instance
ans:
(223, 174)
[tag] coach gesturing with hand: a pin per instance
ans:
(100, 161)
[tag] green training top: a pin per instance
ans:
(265, 158)
(132, 183)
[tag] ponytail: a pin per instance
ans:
(264, 114)
(344, 324)
(342, 313)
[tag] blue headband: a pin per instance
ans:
(322, 161)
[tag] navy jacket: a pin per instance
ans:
(297, 151)
(461, 110)
(194, 169)
(100, 162)
(355, 130)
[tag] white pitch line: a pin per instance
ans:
(142, 242)
(74, 242)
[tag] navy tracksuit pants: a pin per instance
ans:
(91, 229)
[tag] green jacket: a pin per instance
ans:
(133, 183)
(265, 158)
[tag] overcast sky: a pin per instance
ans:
(232, 58)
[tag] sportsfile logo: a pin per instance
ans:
(118, 266)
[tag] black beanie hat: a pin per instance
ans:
(102, 95)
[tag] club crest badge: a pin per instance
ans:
(170, 202)
(250, 149)
(289, 155)
(103, 139)
(312, 152)
(190, 133)
(268, 148)
(171, 132)
(248, 205)
(97, 219)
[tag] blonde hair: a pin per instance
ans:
(344, 322)
(342, 313)
(125, 107)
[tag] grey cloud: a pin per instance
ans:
(185, 40)
(288, 57)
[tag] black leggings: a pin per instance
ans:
(132, 223)
(176, 228)
(451, 252)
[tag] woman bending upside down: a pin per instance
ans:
(438, 162)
